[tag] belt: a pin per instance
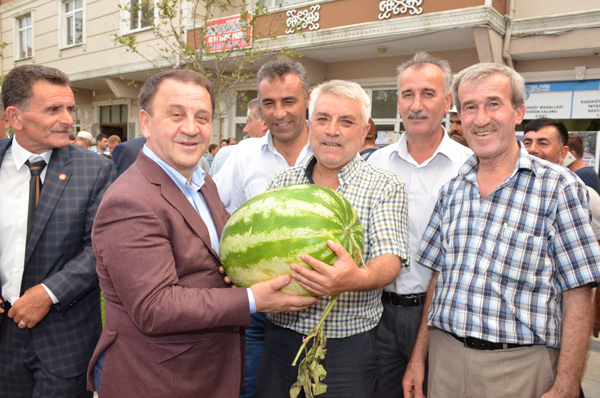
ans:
(478, 344)
(406, 300)
(5, 305)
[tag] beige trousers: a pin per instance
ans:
(459, 372)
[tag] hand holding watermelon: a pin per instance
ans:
(327, 280)
(269, 298)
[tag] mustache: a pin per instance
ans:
(60, 130)
(417, 115)
(486, 129)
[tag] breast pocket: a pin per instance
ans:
(519, 258)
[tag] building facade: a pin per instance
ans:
(554, 45)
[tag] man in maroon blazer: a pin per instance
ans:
(172, 323)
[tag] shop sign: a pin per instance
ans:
(228, 33)
(563, 100)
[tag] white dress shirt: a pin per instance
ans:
(220, 158)
(595, 210)
(423, 182)
(14, 200)
(250, 168)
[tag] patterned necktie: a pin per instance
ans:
(35, 186)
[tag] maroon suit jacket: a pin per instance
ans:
(172, 324)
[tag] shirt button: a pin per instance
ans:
(236, 328)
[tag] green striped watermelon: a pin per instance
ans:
(270, 231)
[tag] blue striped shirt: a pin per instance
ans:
(505, 261)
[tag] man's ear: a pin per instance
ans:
(144, 122)
(563, 154)
(448, 102)
(365, 132)
(520, 113)
(14, 117)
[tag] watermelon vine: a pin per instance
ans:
(310, 372)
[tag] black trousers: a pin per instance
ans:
(351, 364)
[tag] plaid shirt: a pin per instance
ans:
(379, 198)
(505, 261)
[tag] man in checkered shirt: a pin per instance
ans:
(514, 259)
(339, 114)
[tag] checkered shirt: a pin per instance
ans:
(379, 198)
(505, 261)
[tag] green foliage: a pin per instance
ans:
(310, 372)
(181, 27)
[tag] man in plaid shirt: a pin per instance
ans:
(514, 259)
(339, 114)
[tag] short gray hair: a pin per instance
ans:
(479, 72)
(279, 69)
(342, 89)
(420, 60)
(254, 109)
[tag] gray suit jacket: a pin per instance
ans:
(59, 254)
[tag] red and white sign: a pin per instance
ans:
(228, 34)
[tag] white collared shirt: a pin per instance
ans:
(14, 199)
(250, 168)
(423, 182)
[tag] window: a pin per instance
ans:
(76, 115)
(73, 20)
(385, 115)
(25, 36)
(141, 14)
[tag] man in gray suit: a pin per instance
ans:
(50, 318)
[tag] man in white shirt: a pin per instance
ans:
(425, 158)
(283, 96)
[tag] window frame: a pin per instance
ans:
(17, 34)
(62, 24)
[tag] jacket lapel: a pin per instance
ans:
(57, 177)
(173, 195)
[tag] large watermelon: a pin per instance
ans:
(270, 231)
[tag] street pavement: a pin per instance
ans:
(591, 378)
